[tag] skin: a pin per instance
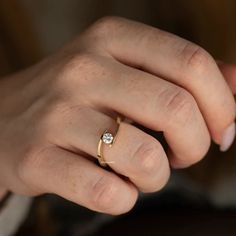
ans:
(53, 114)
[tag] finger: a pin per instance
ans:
(178, 61)
(229, 72)
(159, 105)
(134, 154)
(79, 180)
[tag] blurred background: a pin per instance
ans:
(197, 201)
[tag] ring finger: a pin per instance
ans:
(135, 154)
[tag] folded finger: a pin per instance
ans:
(79, 180)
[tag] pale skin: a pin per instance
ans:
(53, 114)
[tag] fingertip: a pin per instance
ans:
(228, 137)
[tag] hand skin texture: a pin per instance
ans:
(53, 114)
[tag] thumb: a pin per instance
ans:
(229, 72)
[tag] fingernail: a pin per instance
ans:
(228, 138)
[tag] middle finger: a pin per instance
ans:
(159, 105)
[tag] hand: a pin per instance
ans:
(53, 114)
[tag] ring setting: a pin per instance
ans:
(107, 138)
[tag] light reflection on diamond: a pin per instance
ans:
(107, 138)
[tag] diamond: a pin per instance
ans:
(107, 138)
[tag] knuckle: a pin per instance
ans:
(79, 64)
(196, 59)
(180, 106)
(148, 157)
(104, 25)
(79, 73)
(104, 193)
(148, 36)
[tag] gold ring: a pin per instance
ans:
(108, 139)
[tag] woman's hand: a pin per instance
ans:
(53, 114)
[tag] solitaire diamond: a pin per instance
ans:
(107, 138)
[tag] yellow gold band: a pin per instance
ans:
(108, 139)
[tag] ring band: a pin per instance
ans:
(108, 139)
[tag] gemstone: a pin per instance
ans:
(107, 138)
